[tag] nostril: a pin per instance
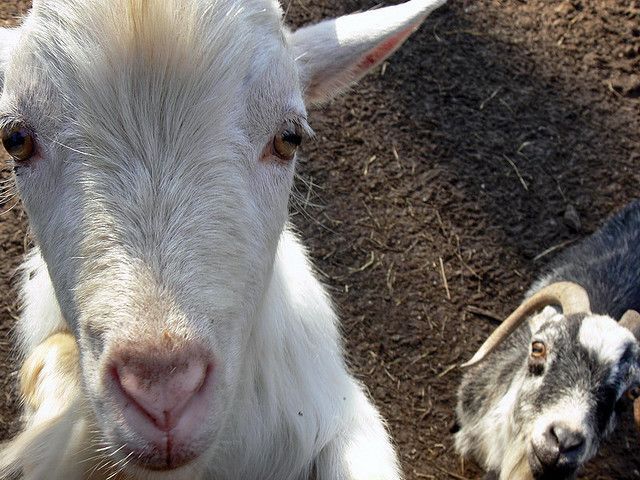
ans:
(551, 439)
(547, 450)
(569, 441)
(161, 391)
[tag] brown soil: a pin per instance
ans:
(463, 158)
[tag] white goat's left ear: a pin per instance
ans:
(8, 40)
(335, 53)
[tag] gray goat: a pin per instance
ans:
(550, 389)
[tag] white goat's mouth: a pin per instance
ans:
(160, 443)
(159, 450)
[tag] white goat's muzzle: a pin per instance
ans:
(164, 395)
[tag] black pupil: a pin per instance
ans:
(14, 140)
(292, 138)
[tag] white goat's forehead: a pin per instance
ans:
(196, 24)
(189, 34)
(603, 336)
(109, 58)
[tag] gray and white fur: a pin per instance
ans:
(522, 416)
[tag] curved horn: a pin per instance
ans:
(570, 296)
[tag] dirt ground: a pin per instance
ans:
(501, 132)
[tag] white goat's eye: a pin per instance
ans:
(18, 141)
(286, 143)
(538, 350)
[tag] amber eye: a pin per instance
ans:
(538, 350)
(18, 142)
(633, 393)
(286, 143)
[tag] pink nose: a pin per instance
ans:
(162, 390)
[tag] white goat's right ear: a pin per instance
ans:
(8, 40)
(335, 53)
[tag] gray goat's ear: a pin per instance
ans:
(8, 40)
(336, 53)
(631, 321)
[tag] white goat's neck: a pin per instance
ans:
(293, 371)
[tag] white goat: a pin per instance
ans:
(172, 324)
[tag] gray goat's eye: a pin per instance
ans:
(538, 350)
(634, 392)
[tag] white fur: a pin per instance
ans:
(573, 412)
(8, 39)
(548, 314)
(38, 302)
(603, 336)
(498, 440)
(159, 210)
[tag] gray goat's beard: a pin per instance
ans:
(515, 464)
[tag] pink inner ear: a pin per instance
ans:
(386, 48)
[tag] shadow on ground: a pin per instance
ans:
(484, 147)
(501, 130)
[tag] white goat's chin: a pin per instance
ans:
(152, 448)
(186, 471)
(159, 460)
(168, 452)
(140, 459)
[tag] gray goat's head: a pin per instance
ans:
(563, 400)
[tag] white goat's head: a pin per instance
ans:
(154, 145)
